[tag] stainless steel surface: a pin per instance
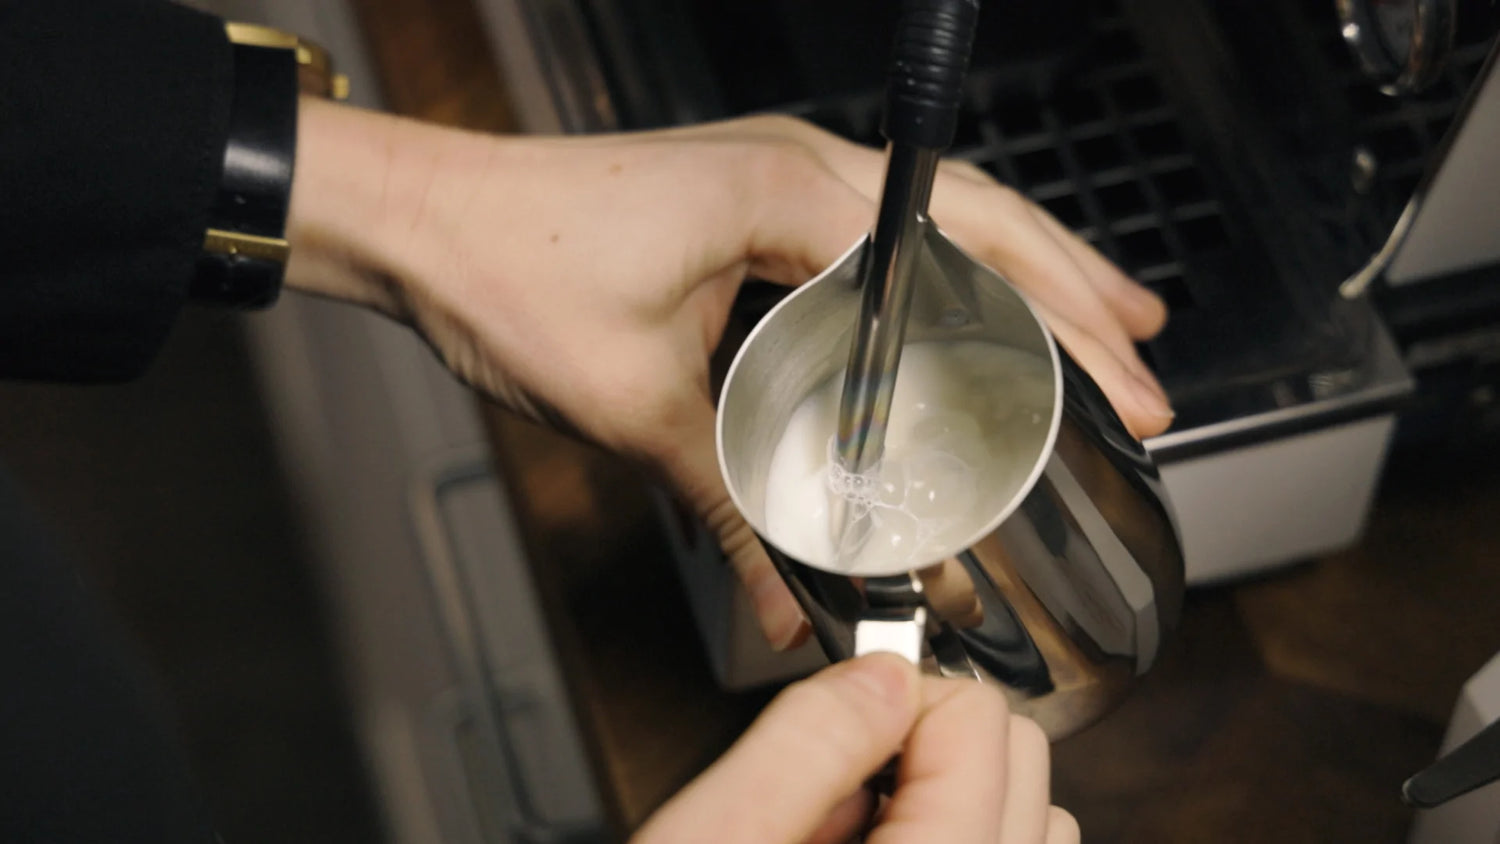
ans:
(1402, 45)
(800, 344)
(897, 619)
(902, 636)
(1368, 385)
(1454, 226)
(897, 624)
(886, 283)
(1448, 224)
(1079, 576)
(1359, 283)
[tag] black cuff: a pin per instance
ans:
(245, 251)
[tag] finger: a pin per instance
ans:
(1142, 312)
(950, 592)
(813, 746)
(804, 217)
(1141, 407)
(691, 462)
(1139, 312)
(802, 214)
(1053, 276)
(861, 166)
(958, 168)
(846, 819)
(996, 224)
(952, 779)
(781, 619)
(1054, 266)
(1062, 828)
(1028, 784)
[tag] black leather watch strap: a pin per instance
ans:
(245, 250)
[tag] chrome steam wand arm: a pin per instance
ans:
(930, 59)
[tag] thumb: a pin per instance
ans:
(804, 218)
(693, 467)
(815, 745)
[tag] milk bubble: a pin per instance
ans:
(892, 487)
(942, 485)
(968, 422)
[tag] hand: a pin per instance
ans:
(586, 281)
(1095, 311)
(970, 771)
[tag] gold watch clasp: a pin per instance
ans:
(314, 64)
(274, 249)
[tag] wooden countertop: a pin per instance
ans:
(651, 711)
(1288, 708)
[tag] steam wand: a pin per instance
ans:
(929, 61)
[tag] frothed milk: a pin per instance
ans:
(962, 411)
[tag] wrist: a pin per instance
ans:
(245, 248)
(355, 222)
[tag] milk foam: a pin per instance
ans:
(968, 420)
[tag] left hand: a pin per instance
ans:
(970, 771)
(586, 281)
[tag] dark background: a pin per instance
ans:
(168, 493)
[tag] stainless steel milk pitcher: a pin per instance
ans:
(1067, 588)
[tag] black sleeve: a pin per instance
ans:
(113, 120)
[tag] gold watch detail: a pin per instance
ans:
(314, 65)
(315, 77)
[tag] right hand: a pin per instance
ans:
(586, 281)
(970, 770)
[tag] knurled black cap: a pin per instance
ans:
(929, 61)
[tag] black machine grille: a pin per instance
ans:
(1107, 156)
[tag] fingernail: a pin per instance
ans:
(975, 615)
(794, 635)
(1146, 296)
(1149, 308)
(1146, 378)
(1153, 399)
(781, 618)
(885, 677)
